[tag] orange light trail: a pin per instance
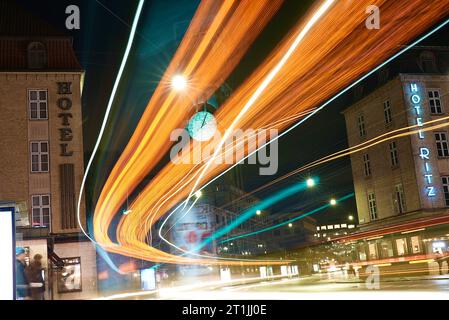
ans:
(337, 51)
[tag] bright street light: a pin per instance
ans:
(198, 194)
(310, 183)
(290, 225)
(258, 212)
(351, 218)
(179, 82)
(333, 202)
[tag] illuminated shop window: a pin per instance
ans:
(435, 102)
(372, 247)
(401, 245)
(387, 249)
(416, 246)
(442, 145)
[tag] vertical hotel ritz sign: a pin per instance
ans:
(65, 106)
(424, 152)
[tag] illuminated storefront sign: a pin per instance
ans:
(424, 152)
(7, 253)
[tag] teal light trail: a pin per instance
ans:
(249, 213)
(287, 222)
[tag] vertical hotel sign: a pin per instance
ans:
(65, 106)
(424, 151)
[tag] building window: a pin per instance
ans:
(416, 246)
(446, 189)
(40, 211)
(361, 126)
(37, 55)
(401, 246)
(428, 62)
(394, 154)
(442, 146)
(39, 156)
(366, 165)
(399, 199)
(372, 206)
(387, 112)
(435, 102)
(38, 104)
(387, 249)
(372, 248)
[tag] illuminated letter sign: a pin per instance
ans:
(8, 254)
(424, 153)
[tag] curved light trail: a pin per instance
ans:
(264, 85)
(279, 225)
(210, 50)
(108, 110)
(337, 51)
(391, 135)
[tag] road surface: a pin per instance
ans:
(315, 288)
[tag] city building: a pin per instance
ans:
(402, 183)
(330, 231)
(41, 149)
(289, 235)
(216, 210)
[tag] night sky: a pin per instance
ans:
(99, 45)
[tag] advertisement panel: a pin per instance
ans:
(190, 229)
(7, 252)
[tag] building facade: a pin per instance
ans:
(41, 149)
(331, 231)
(401, 180)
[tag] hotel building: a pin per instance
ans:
(41, 150)
(402, 183)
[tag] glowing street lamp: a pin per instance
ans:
(351, 218)
(333, 202)
(179, 82)
(290, 225)
(198, 194)
(258, 212)
(310, 183)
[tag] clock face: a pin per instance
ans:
(202, 126)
